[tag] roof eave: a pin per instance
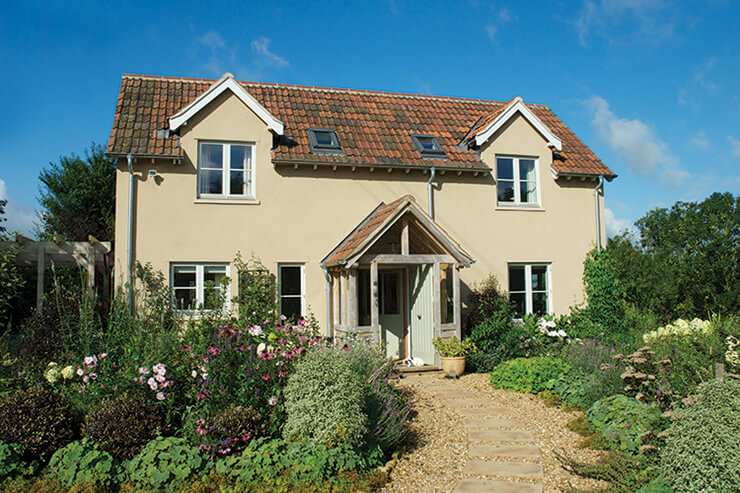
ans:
(517, 106)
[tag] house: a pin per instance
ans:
(376, 211)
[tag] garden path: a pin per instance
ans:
(502, 456)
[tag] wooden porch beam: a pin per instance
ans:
(456, 300)
(389, 258)
(353, 321)
(405, 237)
(374, 304)
(437, 305)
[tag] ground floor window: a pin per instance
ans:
(292, 289)
(529, 288)
(196, 285)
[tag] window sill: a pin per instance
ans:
(532, 208)
(234, 201)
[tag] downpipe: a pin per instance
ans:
(429, 191)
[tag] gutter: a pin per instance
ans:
(599, 185)
(429, 190)
(130, 266)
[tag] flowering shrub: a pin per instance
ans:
(594, 373)
(388, 411)
(732, 356)
(158, 382)
(680, 328)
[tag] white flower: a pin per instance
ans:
(552, 333)
(562, 333)
(272, 400)
(80, 372)
(159, 368)
(160, 396)
(68, 372)
(91, 360)
(261, 348)
(194, 374)
(255, 330)
(159, 378)
(152, 384)
(144, 370)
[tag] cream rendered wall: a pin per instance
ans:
(302, 214)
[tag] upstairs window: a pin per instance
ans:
(516, 180)
(324, 141)
(428, 146)
(225, 170)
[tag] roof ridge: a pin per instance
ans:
(338, 90)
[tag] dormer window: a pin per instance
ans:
(324, 141)
(428, 146)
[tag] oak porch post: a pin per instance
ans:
(374, 308)
(456, 299)
(353, 321)
(437, 304)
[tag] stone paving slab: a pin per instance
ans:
(495, 435)
(456, 394)
(480, 450)
(487, 486)
(458, 403)
(482, 411)
(475, 422)
(503, 468)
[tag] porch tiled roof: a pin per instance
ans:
(373, 128)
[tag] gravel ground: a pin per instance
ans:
(437, 445)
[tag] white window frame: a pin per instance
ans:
(200, 283)
(226, 171)
(517, 182)
(528, 291)
(302, 294)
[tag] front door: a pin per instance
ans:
(421, 312)
(391, 312)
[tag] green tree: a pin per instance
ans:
(78, 196)
(686, 261)
(3, 203)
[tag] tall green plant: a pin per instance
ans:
(257, 298)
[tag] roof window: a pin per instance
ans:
(324, 140)
(428, 146)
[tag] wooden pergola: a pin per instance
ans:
(88, 255)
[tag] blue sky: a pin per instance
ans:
(650, 85)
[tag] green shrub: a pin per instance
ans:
(531, 375)
(10, 462)
(38, 420)
(165, 464)
(621, 420)
(487, 301)
(625, 473)
(325, 401)
(82, 462)
(702, 451)
(235, 426)
(123, 426)
(594, 373)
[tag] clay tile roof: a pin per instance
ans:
(365, 230)
(373, 128)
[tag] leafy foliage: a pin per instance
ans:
(82, 462)
(11, 280)
(165, 464)
(325, 401)
(452, 347)
(124, 425)
(702, 451)
(594, 373)
(10, 461)
(78, 196)
(625, 473)
(486, 301)
(257, 298)
(39, 421)
(531, 375)
(624, 423)
(235, 426)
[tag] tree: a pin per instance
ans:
(686, 261)
(78, 196)
(3, 203)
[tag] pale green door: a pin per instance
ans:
(390, 312)
(421, 316)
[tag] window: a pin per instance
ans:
(324, 141)
(529, 288)
(292, 289)
(226, 170)
(199, 286)
(428, 146)
(516, 180)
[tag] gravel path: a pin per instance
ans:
(469, 437)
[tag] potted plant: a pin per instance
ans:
(453, 353)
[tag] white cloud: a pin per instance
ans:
(221, 56)
(701, 83)
(734, 145)
(635, 142)
(20, 217)
(502, 17)
(701, 75)
(620, 21)
(614, 225)
(261, 47)
(700, 141)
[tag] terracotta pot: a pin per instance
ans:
(453, 367)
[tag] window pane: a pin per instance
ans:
(505, 191)
(239, 157)
(184, 277)
(363, 297)
(390, 294)
(428, 143)
(210, 181)
(520, 306)
(290, 280)
(324, 138)
(236, 183)
(211, 156)
(528, 191)
(526, 169)
(214, 274)
(516, 278)
(185, 299)
(290, 307)
(539, 303)
(504, 168)
(539, 278)
(447, 293)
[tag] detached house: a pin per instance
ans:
(376, 211)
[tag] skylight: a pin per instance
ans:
(324, 140)
(428, 146)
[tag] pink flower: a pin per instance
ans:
(282, 373)
(103, 355)
(144, 370)
(159, 368)
(85, 379)
(265, 377)
(80, 372)
(159, 378)
(160, 396)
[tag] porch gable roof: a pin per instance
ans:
(378, 222)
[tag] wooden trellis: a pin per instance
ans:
(88, 255)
